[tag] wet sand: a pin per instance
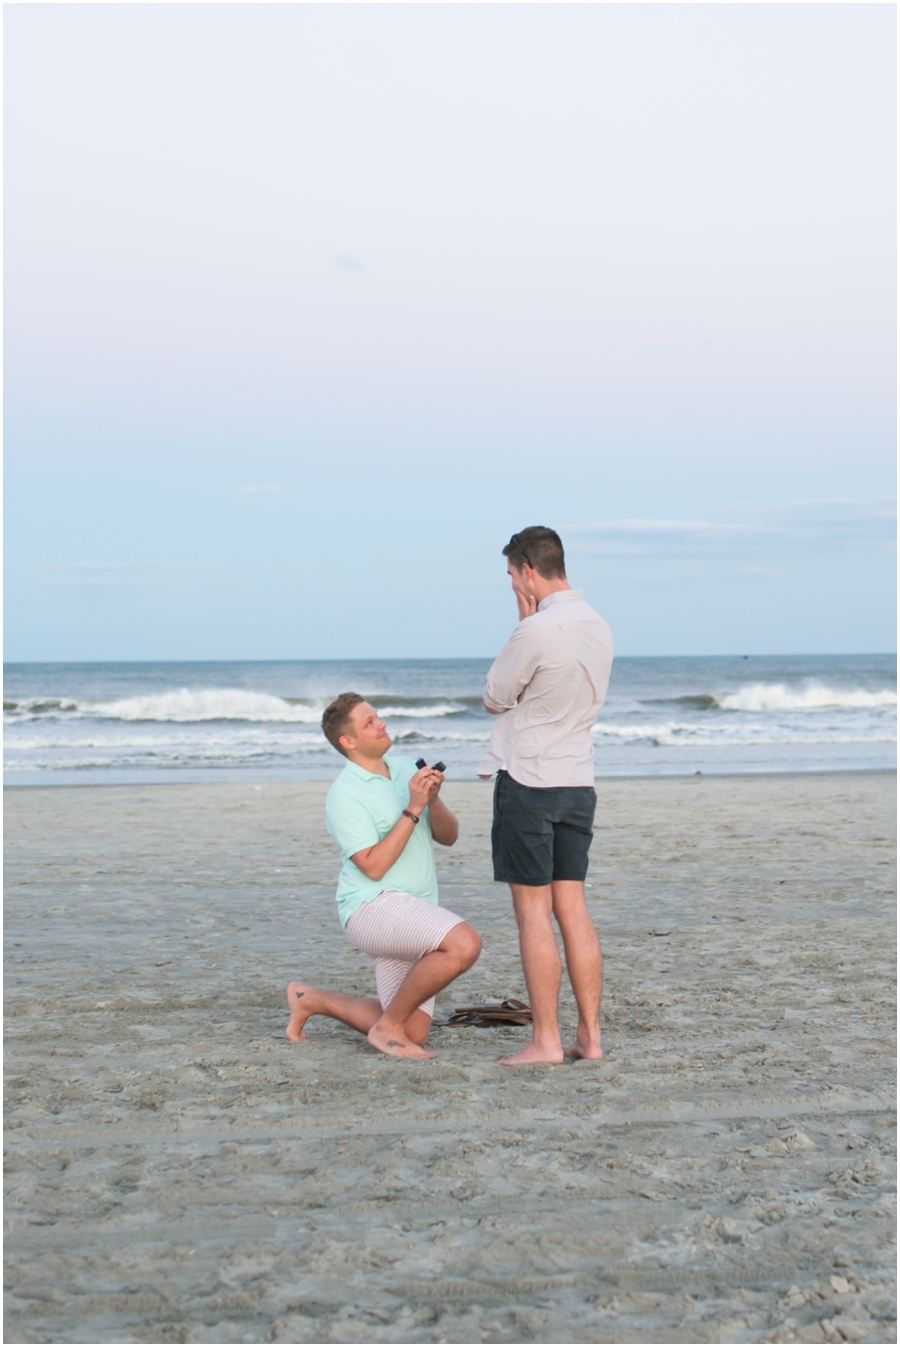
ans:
(179, 1172)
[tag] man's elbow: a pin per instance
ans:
(371, 869)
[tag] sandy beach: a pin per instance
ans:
(179, 1172)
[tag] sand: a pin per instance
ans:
(178, 1172)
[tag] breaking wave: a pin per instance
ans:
(420, 712)
(442, 736)
(675, 734)
(39, 706)
(212, 704)
(814, 697)
(660, 716)
(762, 697)
(227, 704)
(153, 742)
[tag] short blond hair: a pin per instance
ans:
(336, 718)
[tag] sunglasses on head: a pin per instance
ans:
(514, 541)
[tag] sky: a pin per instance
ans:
(309, 307)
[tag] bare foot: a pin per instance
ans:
(300, 1000)
(535, 1054)
(394, 1044)
(588, 1052)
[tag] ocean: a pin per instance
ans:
(69, 724)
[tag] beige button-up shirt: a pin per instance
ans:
(549, 682)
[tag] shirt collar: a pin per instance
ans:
(360, 772)
(559, 596)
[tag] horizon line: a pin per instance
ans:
(445, 659)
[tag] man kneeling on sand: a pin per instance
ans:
(383, 813)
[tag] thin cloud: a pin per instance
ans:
(347, 262)
(813, 525)
(104, 565)
(101, 572)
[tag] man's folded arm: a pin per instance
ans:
(512, 670)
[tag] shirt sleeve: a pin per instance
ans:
(513, 669)
(352, 827)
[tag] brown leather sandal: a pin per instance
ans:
(509, 1011)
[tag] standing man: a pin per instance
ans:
(546, 687)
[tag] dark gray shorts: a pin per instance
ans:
(541, 834)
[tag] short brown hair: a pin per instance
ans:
(542, 548)
(336, 718)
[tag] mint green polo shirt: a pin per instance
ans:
(361, 809)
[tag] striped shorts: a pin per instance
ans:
(395, 930)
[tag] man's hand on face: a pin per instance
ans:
(527, 605)
(527, 602)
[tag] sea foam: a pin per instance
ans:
(233, 721)
(207, 704)
(814, 696)
(196, 705)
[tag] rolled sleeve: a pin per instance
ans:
(352, 827)
(513, 669)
